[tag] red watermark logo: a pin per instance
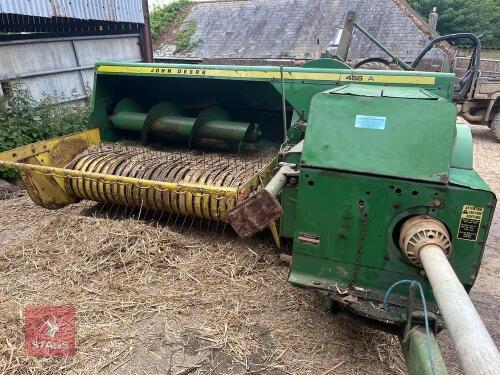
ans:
(49, 331)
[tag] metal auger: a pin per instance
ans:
(168, 120)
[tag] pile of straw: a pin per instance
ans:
(154, 299)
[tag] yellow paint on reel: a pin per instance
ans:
(187, 183)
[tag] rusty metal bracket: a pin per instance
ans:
(255, 214)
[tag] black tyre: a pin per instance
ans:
(374, 63)
(495, 126)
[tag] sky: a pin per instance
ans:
(152, 3)
(158, 2)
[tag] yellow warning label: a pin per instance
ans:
(470, 222)
(471, 212)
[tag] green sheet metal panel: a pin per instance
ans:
(463, 151)
(355, 218)
(393, 131)
(467, 178)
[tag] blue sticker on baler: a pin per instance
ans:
(370, 122)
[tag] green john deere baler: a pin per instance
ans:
(365, 177)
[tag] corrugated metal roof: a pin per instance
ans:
(100, 10)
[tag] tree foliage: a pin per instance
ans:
(24, 120)
(479, 17)
(183, 37)
(165, 16)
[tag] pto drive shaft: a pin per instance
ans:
(427, 239)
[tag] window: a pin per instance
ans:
(6, 88)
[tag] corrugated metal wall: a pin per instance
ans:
(62, 67)
(100, 10)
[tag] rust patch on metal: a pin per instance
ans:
(443, 178)
(255, 214)
(345, 227)
(44, 191)
(309, 239)
(65, 151)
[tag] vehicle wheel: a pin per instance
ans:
(495, 126)
(374, 63)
